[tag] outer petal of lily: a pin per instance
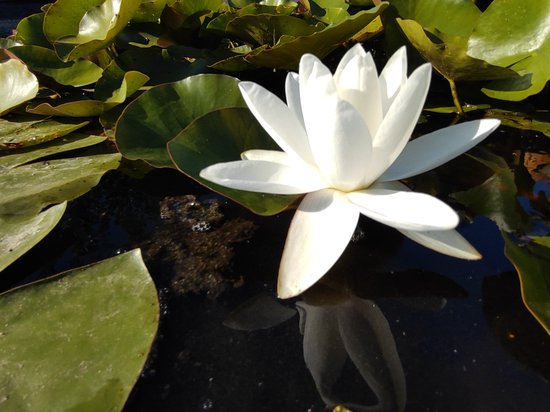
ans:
(17, 85)
(264, 177)
(398, 124)
(278, 120)
(268, 155)
(433, 149)
(357, 82)
(318, 235)
(338, 136)
(404, 209)
(448, 242)
(393, 77)
(292, 91)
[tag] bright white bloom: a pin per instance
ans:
(345, 141)
(17, 85)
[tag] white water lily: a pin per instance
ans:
(345, 141)
(17, 85)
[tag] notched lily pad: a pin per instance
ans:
(77, 340)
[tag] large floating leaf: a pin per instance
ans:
(78, 28)
(22, 131)
(221, 136)
(514, 33)
(162, 112)
(30, 31)
(532, 262)
(19, 233)
(29, 188)
(77, 341)
(17, 85)
(43, 60)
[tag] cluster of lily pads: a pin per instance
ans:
(159, 79)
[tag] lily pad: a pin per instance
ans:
(514, 33)
(19, 233)
(78, 340)
(17, 85)
(162, 112)
(221, 136)
(29, 188)
(30, 31)
(26, 130)
(532, 264)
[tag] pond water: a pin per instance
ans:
(391, 320)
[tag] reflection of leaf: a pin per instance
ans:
(22, 131)
(221, 136)
(29, 188)
(514, 33)
(19, 233)
(162, 112)
(532, 262)
(77, 341)
(496, 197)
(17, 85)
(520, 121)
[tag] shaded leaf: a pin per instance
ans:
(29, 31)
(161, 113)
(19, 233)
(77, 340)
(221, 136)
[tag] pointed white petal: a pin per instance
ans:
(448, 242)
(393, 77)
(398, 124)
(404, 209)
(338, 136)
(433, 149)
(268, 155)
(17, 85)
(318, 235)
(264, 177)
(357, 82)
(278, 120)
(292, 91)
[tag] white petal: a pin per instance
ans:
(393, 77)
(292, 92)
(264, 177)
(268, 155)
(404, 209)
(278, 120)
(318, 235)
(433, 149)
(399, 122)
(17, 85)
(357, 82)
(448, 242)
(338, 136)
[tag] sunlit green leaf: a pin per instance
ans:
(72, 108)
(17, 85)
(532, 262)
(19, 233)
(514, 33)
(162, 112)
(20, 131)
(149, 11)
(77, 73)
(29, 188)
(77, 341)
(221, 136)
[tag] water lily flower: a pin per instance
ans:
(17, 85)
(345, 141)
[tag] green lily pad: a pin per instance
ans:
(30, 31)
(71, 108)
(542, 240)
(520, 120)
(221, 136)
(78, 28)
(24, 130)
(19, 233)
(532, 263)
(29, 188)
(514, 33)
(76, 73)
(162, 112)
(77, 341)
(17, 85)
(63, 144)
(448, 55)
(116, 85)
(149, 11)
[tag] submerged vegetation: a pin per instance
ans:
(92, 86)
